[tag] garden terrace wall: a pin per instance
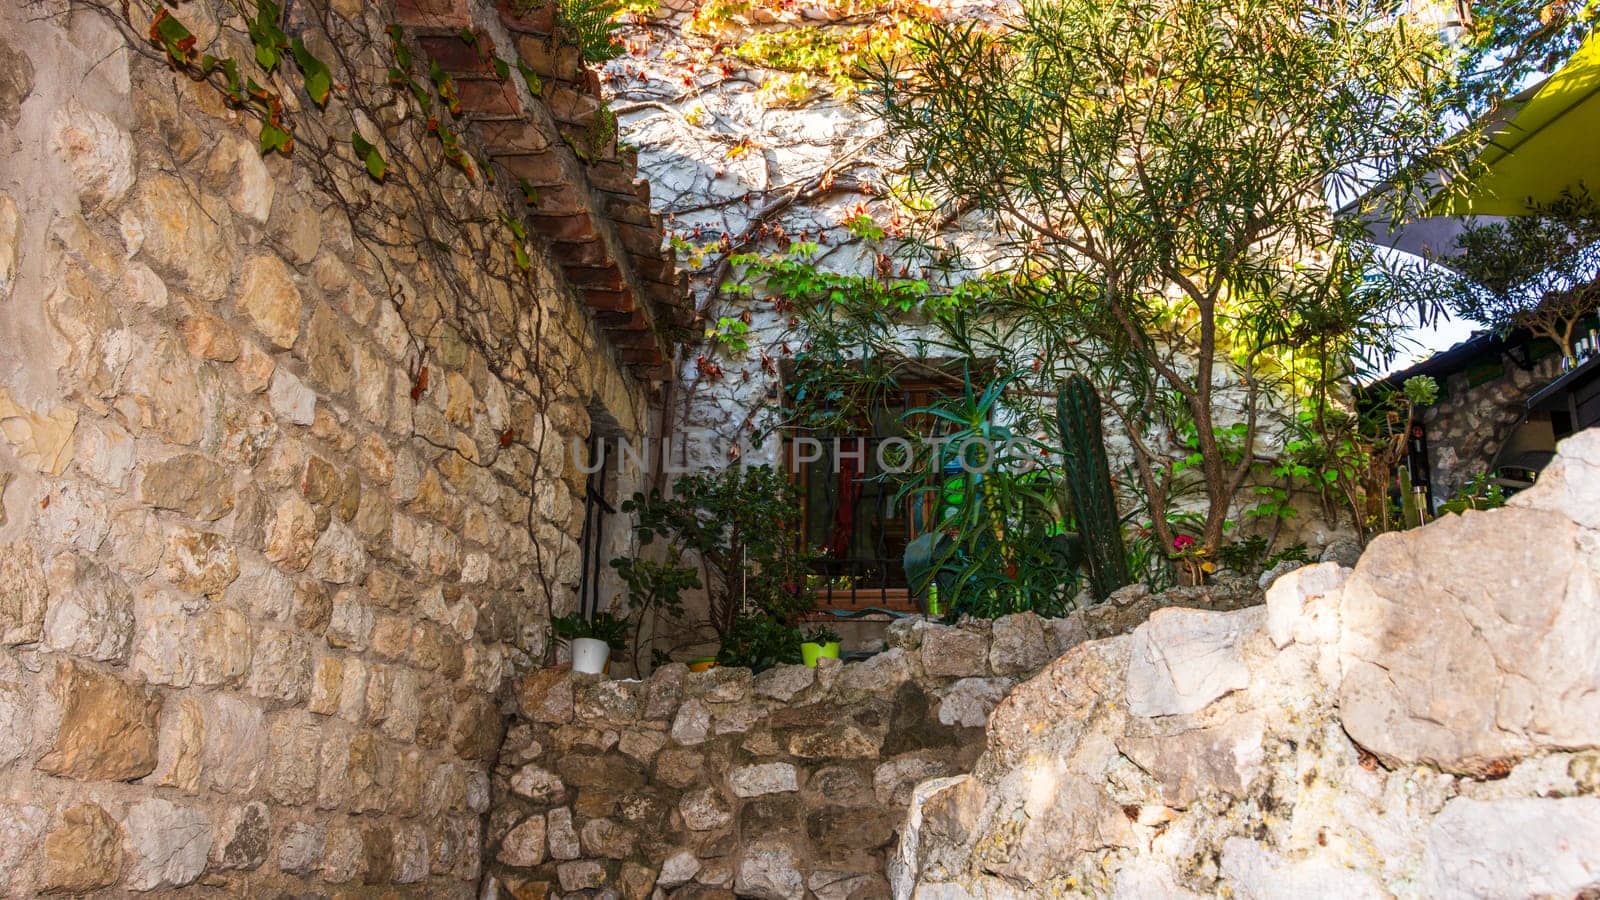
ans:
(282, 491)
(785, 784)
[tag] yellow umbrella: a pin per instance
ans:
(1550, 144)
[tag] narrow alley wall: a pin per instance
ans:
(284, 496)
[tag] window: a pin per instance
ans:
(850, 511)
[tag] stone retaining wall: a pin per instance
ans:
(1423, 725)
(786, 784)
(272, 528)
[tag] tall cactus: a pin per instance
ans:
(1094, 501)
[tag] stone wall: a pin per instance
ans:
(1424, 725)
(1471, 422)
(282, 489)
(785, 784)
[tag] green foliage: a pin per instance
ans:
(604, 626)
(369, 156)
(266, 36)
(1536, 272)
(835, 53)
(1421, 390)
(821, 634)
(1510, 40)
(742, 524)
(759, 643)
(1479, 493)
(1088, 485)
(1158, 168)
(1295, 552)
(318, 78)
(1244, 555)
(590, 24)
(998, 541)
(654, 589)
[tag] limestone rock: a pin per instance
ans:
(92, 612)
(243, 838)
(768, 870)
(784, 683)
(1257, 873)
(10, 239)
(21, 827)
(1183, 659)
(1224, 758)
(23, 593)
(300, 849)
(98, 153)
(272, 300)
(16, 725)
(167, 844)
(524, 844)
(1570, 485)
(679, 868)
(882, 673)
(606, 839)
(1467, 659)
(692, 724)
(16, 82)
(581, 875)
(538, 785)
(82, 851)
(762, 779)
(183, 642)
(235, 745)
(200, 562)
(1303, 605)
(968, 702)
(704, 810)
(949, 652)
(564, 843)
(190, 483)
(42, 441)
(1533, 847)
(180, 237)
(545, 696)
(894, 781)
(1018, 645)
(107, 730)
(291, 398)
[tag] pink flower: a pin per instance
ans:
(1182, 542)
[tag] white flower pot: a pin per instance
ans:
(590, 656)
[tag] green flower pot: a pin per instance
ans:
(810, 652)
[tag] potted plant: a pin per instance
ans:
(592, 639)
(819, 643)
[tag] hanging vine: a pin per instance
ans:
(402, 207)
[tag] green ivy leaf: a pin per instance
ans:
(276, 138)
(177, 40)
(369, 154)
(535, 85)
(319, 80)
(446, 87)
(268, 38)
(501, 68)
(235, 87)
(402, 53)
